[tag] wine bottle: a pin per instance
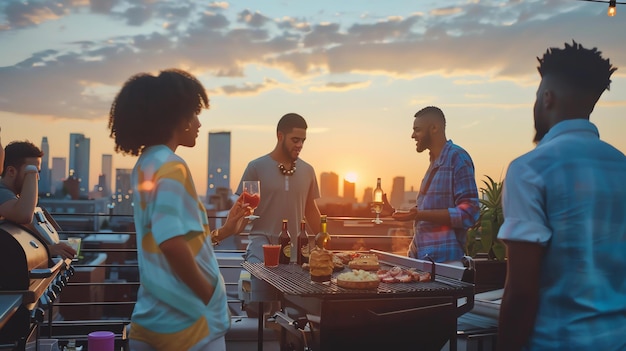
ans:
(285, 244)
(377, 195)
(303, 244)
(322, 238)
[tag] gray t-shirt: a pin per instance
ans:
(282, 197)
(6, 194)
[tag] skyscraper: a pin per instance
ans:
(367, 195)
(348, 191)
(44, 175)
(329, 184)
(57, 174)
(107, 172)
(79, 162)
(123, 191)
(397, 192)
(219, 162)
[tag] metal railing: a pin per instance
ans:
(103, 290)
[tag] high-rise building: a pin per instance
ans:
(107, 173)
(123, 192)
(367, 195)
(397, 192)
(329, 184)
(57, 175)
(44, 174)
(219, 162)
(348, 191)
(79, 162)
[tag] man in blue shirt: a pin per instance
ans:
(447, 203)
(565, 218)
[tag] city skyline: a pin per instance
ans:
(357, 71)
(328, 181)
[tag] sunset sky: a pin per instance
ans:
(357, 70)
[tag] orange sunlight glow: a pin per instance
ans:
(351, 177)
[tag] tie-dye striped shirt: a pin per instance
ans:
(168, 314)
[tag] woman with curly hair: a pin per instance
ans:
(181, 303)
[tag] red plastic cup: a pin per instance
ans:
(101, 341)
(270, 255)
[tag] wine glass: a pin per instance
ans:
(252, 195)
(378, 208)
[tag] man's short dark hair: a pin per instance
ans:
(16, 153)
(582, 69)
(290, 121)
(432, 111)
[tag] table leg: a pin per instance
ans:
(261, 326)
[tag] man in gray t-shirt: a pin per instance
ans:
(288, 188)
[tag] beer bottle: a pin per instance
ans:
(322, 238)
(303, 244)
(285, 244)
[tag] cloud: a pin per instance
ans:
(341, 86)
(249, 88)
(478, 42)
(28, 14)
(253, 19)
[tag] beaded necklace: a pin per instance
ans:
(285, 171)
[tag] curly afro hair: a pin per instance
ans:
(147, 109)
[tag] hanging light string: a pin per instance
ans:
(286, 171)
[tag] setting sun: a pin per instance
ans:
(351, 177)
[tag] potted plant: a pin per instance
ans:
(483, 245)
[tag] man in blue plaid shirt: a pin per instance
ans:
(447, 203)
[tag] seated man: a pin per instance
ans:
(19, 189)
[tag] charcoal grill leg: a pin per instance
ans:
(453, 339)
(260, 326)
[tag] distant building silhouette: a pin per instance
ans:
(348, 191)
(80, 222)
(329, 184)
(397, 192)
(367, 195)
(218, 163)
(58, 175)
(79, 162)
(123, 196)
(107, 173)
(410, 199)
(44, 175)
(71, 188)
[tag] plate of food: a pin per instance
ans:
(358, 279)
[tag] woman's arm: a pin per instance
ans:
(181, 259)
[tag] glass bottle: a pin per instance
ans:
(322, 238)
(285, 244)
(303, 244)
(377, 201)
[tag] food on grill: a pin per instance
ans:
(358, 279)
(321, 265)
(365, 262)
(399, 275)
(347, 256)
(337, 263)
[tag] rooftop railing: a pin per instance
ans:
(103, 290)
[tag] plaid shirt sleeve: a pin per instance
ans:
(467, 208)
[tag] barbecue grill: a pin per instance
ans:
(31, 279)
(396, 316)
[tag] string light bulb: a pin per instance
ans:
(612, 10)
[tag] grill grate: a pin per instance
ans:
(293, 280)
